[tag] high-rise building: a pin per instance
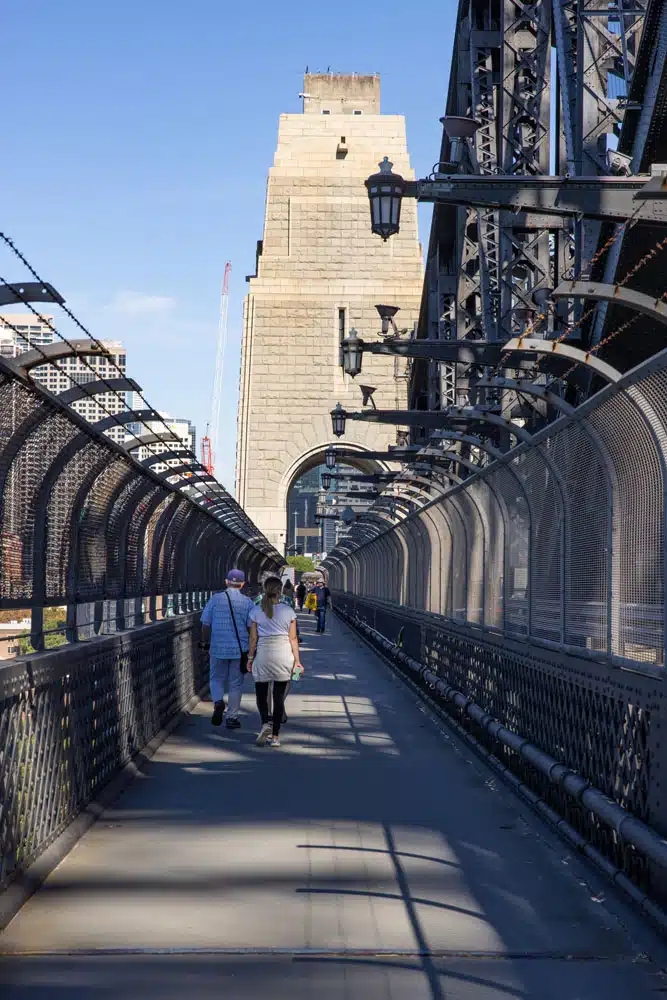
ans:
(320, 272)
(184, 430)
(27, 333)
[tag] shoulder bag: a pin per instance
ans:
(244, 656)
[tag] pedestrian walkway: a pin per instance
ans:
(372, 856)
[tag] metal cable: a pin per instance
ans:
(185, 453)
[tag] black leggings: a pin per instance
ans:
(262, 695)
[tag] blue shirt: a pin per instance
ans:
(216, 614)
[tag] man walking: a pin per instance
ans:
(322, 595)
(300, 595)
(225, 632)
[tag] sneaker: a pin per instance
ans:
(265, 734)
(232, 724)
(273, 741)
(218, 712)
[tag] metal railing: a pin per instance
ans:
(71, 718)
(582, 743)
(530, 597)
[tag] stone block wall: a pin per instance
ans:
(319, 257)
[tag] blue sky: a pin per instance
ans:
(139, 137)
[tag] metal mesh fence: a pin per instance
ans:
(560, 541)
(71, 718)
(85, 527)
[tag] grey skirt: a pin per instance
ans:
(274, 660)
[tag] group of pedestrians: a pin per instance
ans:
(316, 599)
(261, 638)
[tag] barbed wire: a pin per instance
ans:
(169, 453)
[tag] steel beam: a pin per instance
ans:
(51, 353)
(97, 388)
(598, 291)
(565, 351)
(610, 199)
(29, 291)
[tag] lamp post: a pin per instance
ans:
(330, 457)
(326, 480)
(611, 199)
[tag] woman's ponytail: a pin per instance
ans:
(273, 588)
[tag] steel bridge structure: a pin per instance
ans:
(524, 590)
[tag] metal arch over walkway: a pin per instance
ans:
(328, 868)
(85, 524)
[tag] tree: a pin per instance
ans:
(54, 624)
(302, 564)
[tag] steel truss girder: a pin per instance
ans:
(612, 199)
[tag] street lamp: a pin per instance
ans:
(385, 193)
(338, 418)
(330, 458)
(326, 480)
(352, 351)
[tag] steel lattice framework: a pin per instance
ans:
(528, 597)
(529, 71)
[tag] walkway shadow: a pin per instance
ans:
(368, 832)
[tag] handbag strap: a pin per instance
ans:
(231, 611)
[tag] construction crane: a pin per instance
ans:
(209, 442)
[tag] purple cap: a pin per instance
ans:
(236, 576)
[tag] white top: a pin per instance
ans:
(283, 616)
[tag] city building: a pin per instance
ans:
(30, 333)
(184, 430)
(321, 272)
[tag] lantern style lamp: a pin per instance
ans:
(385, 194)
(326, 480)
(330, 458)
(338, 418)
(352, 352)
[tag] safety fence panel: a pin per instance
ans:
(559, 541)
(71, 718)
(604, 725)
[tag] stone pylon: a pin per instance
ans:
(320, 271)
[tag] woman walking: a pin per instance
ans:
(288, 594)
(273, 655)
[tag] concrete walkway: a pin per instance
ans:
(372, 856)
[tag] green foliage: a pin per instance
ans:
(302, 564)
(54, 619)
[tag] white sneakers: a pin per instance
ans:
(265, 734)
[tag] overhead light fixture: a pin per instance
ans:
(352, 349)
(330, 458)
(338, 418)
(385, 194)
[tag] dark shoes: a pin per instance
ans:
(218, 712)
(233, 724)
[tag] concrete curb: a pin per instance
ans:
(28, 882)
